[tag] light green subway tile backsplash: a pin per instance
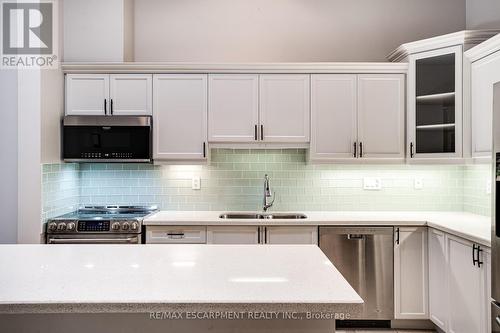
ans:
(60, 189)
(477, 187)
(234, 178)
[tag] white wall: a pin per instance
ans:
(94, 30)
(29, 156)
(287, 30)
(483, 14)
(8, 156)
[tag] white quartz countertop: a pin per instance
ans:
(142, 278)
(476, 228)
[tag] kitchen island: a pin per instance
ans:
(160, 285)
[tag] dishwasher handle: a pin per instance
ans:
(355, 236)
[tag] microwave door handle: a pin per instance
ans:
(96, 140)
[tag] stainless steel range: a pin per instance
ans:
(99, 225)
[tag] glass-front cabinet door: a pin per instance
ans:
(435, 104)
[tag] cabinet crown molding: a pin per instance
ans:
(484, 49)
(258, 68)
(468, 38)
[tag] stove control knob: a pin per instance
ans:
(61, 226)
(52, 226)
(125, 225)
(71, 226)
(134, 226)
(115, 226)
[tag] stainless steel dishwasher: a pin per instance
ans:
(364, 256)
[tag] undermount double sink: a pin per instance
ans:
(263, 216)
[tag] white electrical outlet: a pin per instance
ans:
(372, 184)
(418, 183)
(488, 186)
(196, 183)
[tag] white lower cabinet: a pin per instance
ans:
(410, 273)
(466, 283)
(233, 235)
(176, 234)
(262, 234)
(458, 284)
(291, 235)
(438, 300)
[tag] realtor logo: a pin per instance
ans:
(28, 36)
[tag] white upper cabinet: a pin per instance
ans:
(87, 94)
(104, 94)
(233, 108)
(333, 116)
(131, 94)
(180, 117)
(410, 273)
(357, 117)
(439, 126)
(253, 108)
(284, 108)
(435, 104)
(438, 291)
(484, 74)
(381, 106)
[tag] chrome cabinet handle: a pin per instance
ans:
(361, 149)
(255, 133)
(111, 106)
(411, 150)
(262, 132)
(355, 146)
(179, 235)
(105, 107)
(204, 149)
(397, 236)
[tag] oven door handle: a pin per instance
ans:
(128, 240)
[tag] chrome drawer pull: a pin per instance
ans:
(176, 235)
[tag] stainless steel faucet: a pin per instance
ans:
(268, 195)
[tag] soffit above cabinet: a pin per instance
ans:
(258, 68)
(468, 38)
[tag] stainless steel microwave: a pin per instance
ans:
(107, 139)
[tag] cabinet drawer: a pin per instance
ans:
(176, 235)
(291, 235)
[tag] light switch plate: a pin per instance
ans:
(372, 184)
(418, 183)
(488, 186)
(196, 183)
